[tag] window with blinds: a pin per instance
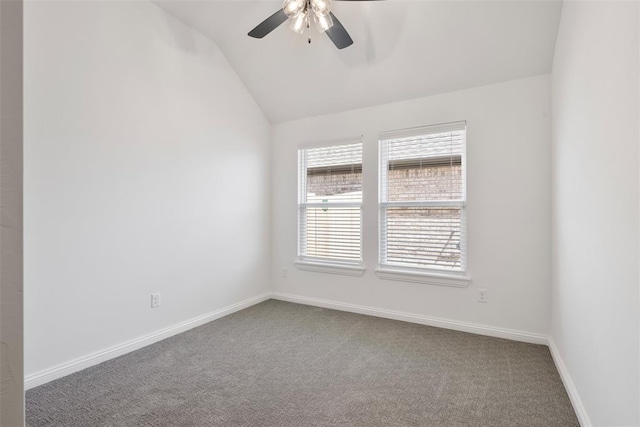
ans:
(422, 198)
(330, 203)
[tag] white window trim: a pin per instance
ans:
(388, 272)
(330, 267)
(459, 279)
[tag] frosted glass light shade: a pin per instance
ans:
(292, 8)
(298, 23)
(321, 7)
(323, 23)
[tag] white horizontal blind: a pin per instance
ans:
(330, 203)
(422, 198)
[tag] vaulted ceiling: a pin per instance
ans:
(401, 50)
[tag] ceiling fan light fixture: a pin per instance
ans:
(321, 7)
(299, 14)
(323, 22)
(299, 22)
(293, 8)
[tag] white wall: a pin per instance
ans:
(11, 339)
(508, 153)
(146, 170)
(595, 308)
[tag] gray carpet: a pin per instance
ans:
(283, 364)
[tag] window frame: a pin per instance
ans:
(413, 273)
(326, 265)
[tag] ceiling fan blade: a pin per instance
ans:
(268, 25)
(338, 34)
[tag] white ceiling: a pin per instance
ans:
(401, 50)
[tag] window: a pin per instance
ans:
(330, 206)
(422, 200)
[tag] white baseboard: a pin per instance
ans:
(572, 391)
(570, 387)
(64, 369)
(417, 318)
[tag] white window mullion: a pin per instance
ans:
(426, 204)
(333, 205)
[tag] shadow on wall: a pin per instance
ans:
(370, 46)
(185, 39)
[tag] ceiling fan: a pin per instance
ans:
(300, 13)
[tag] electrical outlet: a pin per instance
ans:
(155, 300)
(285, 272)
(482, 295)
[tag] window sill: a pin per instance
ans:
(318, 267)
(429, 278)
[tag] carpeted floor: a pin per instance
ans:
(283, 364)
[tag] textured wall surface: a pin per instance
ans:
(134, 124)
(508, 205)
(596, 216)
